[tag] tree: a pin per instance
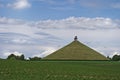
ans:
(34, 58)
(12, 56)
(108, 57)
(22, 57)
(116, 58)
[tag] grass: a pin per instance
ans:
(59, 70)
(76, 51)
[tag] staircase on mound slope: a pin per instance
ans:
(76, 51)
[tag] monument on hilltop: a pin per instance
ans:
(75, 39)
(76, 51)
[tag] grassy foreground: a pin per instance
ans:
(59, 70)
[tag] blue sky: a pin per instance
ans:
(60, 9)
(39, 27)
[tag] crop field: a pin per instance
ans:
(59, 70)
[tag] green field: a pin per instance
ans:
(59, 70)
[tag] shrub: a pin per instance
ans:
(116, 58)
(14, 57)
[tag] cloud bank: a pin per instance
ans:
(40, 38)
(20, 4)
(79, 23)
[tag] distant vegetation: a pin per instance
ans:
(34, 58)
(116, 58)
(22, 57)
(14, 57)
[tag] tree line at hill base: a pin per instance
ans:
(14, 57)
(22, 57)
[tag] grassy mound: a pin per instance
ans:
(76, 51)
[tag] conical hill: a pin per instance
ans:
(76, 51)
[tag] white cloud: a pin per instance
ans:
(15, 53)
(41, 38)
(20, 4)
(68, 23)
(4, 20)
(79, 23)
(108, 50)
(116, 53)
(19, 40)
(46, 51)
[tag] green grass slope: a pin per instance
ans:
(76, 51)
